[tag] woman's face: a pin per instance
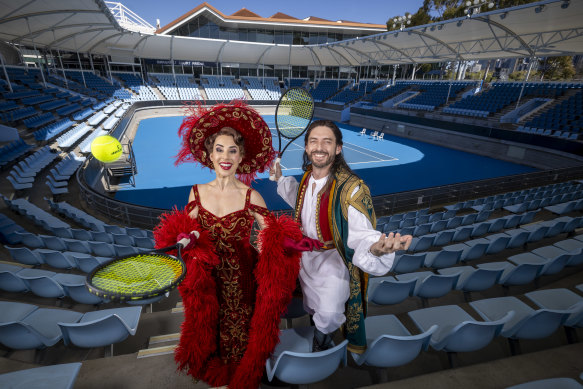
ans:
(225, 156)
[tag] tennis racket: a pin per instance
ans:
(138, 276)
(293, 115)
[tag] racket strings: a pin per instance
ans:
(294, 112)
(138, 275)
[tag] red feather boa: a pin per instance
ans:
(276, 273)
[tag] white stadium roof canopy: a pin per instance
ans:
(546, 28)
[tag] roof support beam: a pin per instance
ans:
(491, 22)
(47, 13)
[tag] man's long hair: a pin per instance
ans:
(339, 161)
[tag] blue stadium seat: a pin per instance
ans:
(15, 311)
(472, 279)
(61, 376)
(561, 300)
(9, 280)
(445, 257)
(548, 265)
(429, 285)
(102, 328)
(526, 323)
(514, 274)
(457, 330)
(56, 259)
(390, 344)
(388, 290)
(294, 363)
(42, 283)
(407, 263)
(24, 255)
(37, 330)
(573, 247)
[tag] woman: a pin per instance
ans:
(233, 296)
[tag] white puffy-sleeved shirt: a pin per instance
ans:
(323, 275)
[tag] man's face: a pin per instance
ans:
(321, 147)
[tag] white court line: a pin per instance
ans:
(382, 160)
(369, 155)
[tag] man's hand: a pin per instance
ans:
(275, 171)
(390, 243)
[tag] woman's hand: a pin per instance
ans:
(304, 244)
(188, 241)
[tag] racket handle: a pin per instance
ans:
(272, 176)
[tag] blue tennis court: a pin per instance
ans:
(390, 165)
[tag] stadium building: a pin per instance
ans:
(205, 21)
(486, 176)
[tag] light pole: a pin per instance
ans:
(474, 7)
(401, 21)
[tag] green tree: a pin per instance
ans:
(556, 68)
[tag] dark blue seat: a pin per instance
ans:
(102, 328)
(476, 248)
(54, 376)
(294, 363)
(9, 280)
(407, 263)
(560, 300)
(514, 274)
(24, 255)
(457, 330)
(75, 288)
(551, 260)
(446, 257)
(526, 323)
(573, 247)
(390, 344)
(37, 330)
(472, 279)
(56, 259)
(41, 283)
(388, 290)
(430, 285)
(498, 242)
(15, 311)
(462, 233)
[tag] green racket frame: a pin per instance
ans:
(96, 286)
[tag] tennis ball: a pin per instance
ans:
(106, 148)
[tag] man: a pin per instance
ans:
(334, 206)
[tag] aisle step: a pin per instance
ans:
(164, 338)
(156, 351)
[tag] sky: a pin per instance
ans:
(367, 11)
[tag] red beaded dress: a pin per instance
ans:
(233, 295)
(236, 285)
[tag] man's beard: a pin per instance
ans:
(327, 162)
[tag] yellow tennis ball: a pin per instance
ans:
(106, 148)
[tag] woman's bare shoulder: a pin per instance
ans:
(257, 199)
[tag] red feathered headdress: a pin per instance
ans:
(202, 122)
